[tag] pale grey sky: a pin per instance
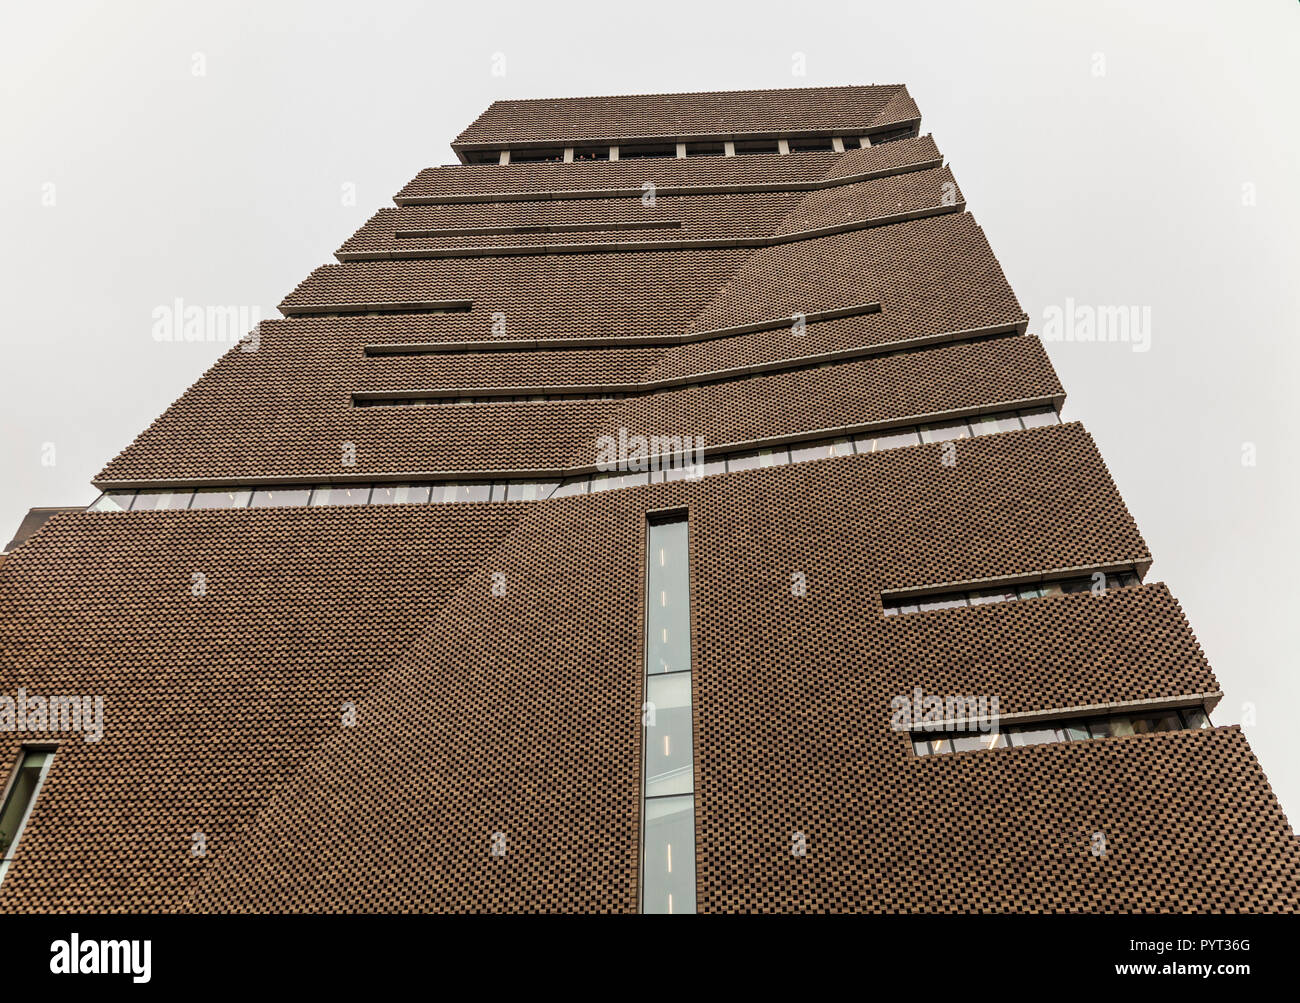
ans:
(1126, 187)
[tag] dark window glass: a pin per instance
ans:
(1195, 717)
(591, 153)
(1005, 594)
(25, 785)
(811, 145)
(705, 149)
(280, 497)
(640, 151)
(536, 156)
(757, 146)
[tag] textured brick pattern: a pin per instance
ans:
(493, 720)
(297, 431)
(684, 218)
(796, 109)
(480, 712)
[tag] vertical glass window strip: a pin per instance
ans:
(24, 785)
(668, 762)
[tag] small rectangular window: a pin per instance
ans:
(529, 491)
(154, 501)
(591, 153)
(1040, 416)
(992, 595)
(757, 146)
(536, 156)
(942, 602)
(901, 437)
(280, 497)
(220, 498)
(811, 145)
(24, 785)
(987, 424)
(447, 493)
(642, 150)
(706, 149)
(113, 501)
(577, 486)
(1033, 734)
(945, 430)
(400, 494)
(341, 496)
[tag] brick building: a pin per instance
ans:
(666, 508)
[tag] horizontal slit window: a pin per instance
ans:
(1096, 583)
(638, 151)
(988, 735)
(542, 228)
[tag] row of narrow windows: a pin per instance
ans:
(1097, 582)
(534, 490)
(720, 148)
(668, 761)
(1072, 730)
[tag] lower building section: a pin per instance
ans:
(444, 708)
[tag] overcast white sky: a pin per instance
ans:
(1119, 188)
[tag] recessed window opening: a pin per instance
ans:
(19, 799)
(1074, 729)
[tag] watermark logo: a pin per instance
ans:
(923, 711)
(56, 713)
(1084, 323)
(178, 322)
(635, 453)
(75, 956)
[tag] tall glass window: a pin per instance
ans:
(668, 762)
(18, 800)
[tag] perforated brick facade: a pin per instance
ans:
(358, 698)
